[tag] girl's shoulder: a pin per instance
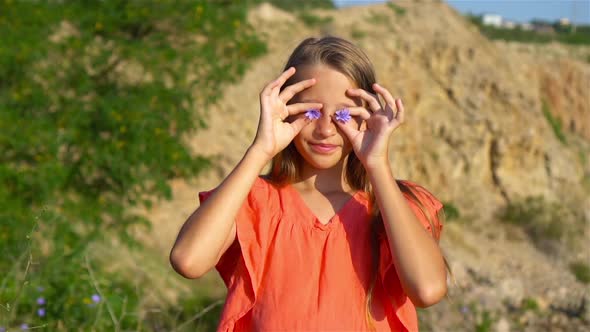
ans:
(420, 192)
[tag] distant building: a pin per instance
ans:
(544, 29)
(526, 26)
(564, 21)
(508, 25)
(492, 19)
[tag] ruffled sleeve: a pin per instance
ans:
(403, 307)
(432, 206)
(241, 266)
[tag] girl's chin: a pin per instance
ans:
(323, 162)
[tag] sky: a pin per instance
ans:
(578, 11)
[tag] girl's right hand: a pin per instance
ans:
(274, 132)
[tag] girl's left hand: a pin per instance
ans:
(371, 144)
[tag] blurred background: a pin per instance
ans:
(115, 114)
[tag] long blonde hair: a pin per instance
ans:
(343, 56)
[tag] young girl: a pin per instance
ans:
(329, 239)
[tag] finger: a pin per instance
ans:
(298, 124)
(361, 112)
(400, 110)
(285, 75)
(268, 88)
(282, 79)
(385, 94)
(303, 107)
(371, 99)
(349, 131)
(294, 89)
(389, 100)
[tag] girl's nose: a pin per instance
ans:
(325, 127)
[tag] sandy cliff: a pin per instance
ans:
(476, 136)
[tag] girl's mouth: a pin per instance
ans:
(323, 148)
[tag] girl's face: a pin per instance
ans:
(321, 143)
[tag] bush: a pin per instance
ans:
(555, 123)
(96, 98)
(546, 223)
(451, 211)
(582, 271)
(312, 20)
(397, 9)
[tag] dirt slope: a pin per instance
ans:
(476, 136)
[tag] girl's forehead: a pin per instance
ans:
(330, 86)
(323, 72)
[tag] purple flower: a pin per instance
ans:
(464, 309)
(2, 329)
(95, 298)
(343, 115)
(313, 114)
(41, 312)
(40, 301)
(24, 326)
(39, 289)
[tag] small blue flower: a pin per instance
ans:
(95, 298)
(41, 312)
(40, 301)
(343, 115)
(24, 326)
(313, 114)
(39, 289)
(464, 309)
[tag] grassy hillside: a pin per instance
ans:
(95, 99)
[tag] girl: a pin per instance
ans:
(328, 240)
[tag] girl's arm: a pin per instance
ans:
(416, 255)
(211, 229)
(417, 258)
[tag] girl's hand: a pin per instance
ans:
(371, 144)
(274, 133)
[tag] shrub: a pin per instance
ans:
(312, 20)
(530, 304)
(95, 100)
(546, 223)
(555, 123)
(451, 211)
(581, 270)
(397, 9)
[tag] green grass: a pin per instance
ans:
(485, 322)
(530, 304)
(546, 223)
(581, 270)
(312, 20)
(358, 34)
(451, 211)
(82, 146)
(397, 9)
(554, 122)
(377, 18)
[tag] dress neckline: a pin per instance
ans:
(307, 211)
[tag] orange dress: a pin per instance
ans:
(287, 271)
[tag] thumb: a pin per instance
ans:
(298, 124)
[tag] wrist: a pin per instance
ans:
(258, 154)
(377, 165)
